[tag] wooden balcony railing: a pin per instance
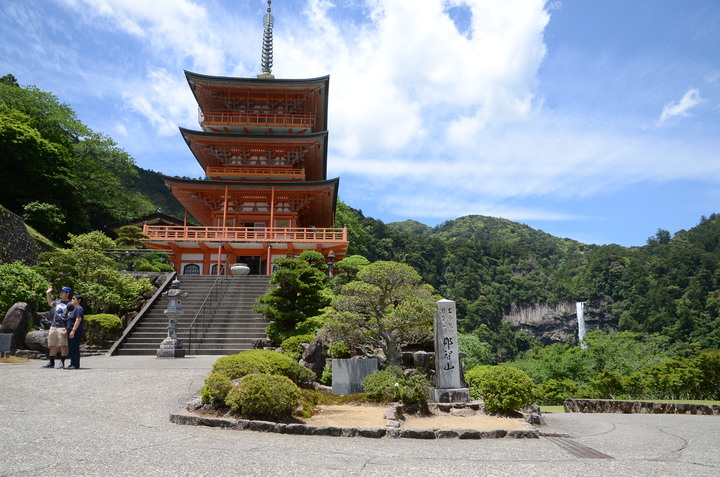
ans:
(244, 234)
(270, 172)
(257, 118)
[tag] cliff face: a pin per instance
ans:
(558, 323)
(15, 241)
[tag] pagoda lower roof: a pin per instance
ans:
(315, 164)
(315, 199)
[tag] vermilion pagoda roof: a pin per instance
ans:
(206, 146)
(314, 201)
(209, 89)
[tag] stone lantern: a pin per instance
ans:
(171, 347)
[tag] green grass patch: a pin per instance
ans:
(552, 409)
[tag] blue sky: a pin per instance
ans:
(593, 120)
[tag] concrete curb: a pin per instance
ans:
(187, 418)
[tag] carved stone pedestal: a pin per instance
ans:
(171, 348)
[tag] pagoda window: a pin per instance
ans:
(213, 270)
(191, 269)
(283, 223)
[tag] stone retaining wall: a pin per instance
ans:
(638, 407)
(15, 241)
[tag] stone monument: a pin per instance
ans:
(449, 386)
(172, 347)
(349, 374)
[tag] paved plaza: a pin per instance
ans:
(112, 419)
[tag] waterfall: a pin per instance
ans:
(580, 306)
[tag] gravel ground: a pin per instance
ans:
(112, 418)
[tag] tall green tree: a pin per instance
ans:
(84, 267)
(301, 293)
(387, 307)
(48, 155)
(33, 167)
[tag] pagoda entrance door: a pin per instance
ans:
(254, 263)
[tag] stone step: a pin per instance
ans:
(230, 327)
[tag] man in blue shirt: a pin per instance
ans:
(57, 336)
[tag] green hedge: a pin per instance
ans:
(263, 361)
(102, 329)
(264, 396)
(292, 347)
(503, 389)
(391, 384)
(216, 388)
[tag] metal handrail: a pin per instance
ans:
(207, 308)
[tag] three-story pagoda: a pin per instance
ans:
(263, 147)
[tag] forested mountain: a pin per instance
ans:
(61, 176)
(57, 173)
(489, 266)
(150, 185)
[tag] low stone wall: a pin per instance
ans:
(638, 407)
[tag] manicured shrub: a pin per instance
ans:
(102, 329)
(276, 332)
(339, 350)
(264, 396)
(473, 376)
(263, 361)
(391, 384)
(292, 346)
(309, 398)
(146, 267)
(326, 377)
(18, 282)
(503, 389)
(216, 388)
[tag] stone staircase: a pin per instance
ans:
(228, 325)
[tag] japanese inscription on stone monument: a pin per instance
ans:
(447, 361)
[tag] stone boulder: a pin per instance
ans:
(37, 341)
(314, 356)
(44, 319)
(16, 323)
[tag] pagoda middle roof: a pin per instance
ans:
(316, 170)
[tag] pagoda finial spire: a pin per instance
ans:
(267, 48)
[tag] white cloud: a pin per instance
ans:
(426, 120)
(408, 74)
(548, 158)
(164, 101)
(673, 109)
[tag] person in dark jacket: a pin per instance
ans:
(75, 331)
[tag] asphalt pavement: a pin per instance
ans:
(111, 418)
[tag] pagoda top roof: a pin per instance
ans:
(197, 78)
(260, 138)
